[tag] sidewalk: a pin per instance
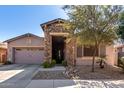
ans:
(67, 83)
(76, 84)
(51, 84)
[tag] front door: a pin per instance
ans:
(58, 45)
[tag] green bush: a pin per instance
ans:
(8, 62)
(121, 63)
(46, 64)
(53, 62)
(64, 63)
(101, 61)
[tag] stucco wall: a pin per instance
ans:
(24, 42)
(109, 51)
(85, 61)
(112, 56)
(3, 55)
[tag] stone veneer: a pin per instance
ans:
(69, 50)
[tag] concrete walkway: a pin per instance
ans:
(56, 68)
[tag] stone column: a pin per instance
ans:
(70, 52)
(47, 47)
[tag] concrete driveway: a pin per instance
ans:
(16, 75)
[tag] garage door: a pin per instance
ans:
(29, 55)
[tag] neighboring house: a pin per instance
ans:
(31, 49)
(120, 50)
(3, 53)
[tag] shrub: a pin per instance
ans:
(46, 64)
(64, 63)
(101, 61)
(8, 62)
(121, 63)
(53, 62)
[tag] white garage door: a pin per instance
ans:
(29, 55)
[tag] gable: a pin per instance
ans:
(22, 36)
(27, 41)
(52, 23)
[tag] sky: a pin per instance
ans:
(18, 20)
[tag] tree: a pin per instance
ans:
(120, 31)
(93, 25)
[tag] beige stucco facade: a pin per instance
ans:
(112, 55)
(3, 55)
(52, 29)
(110, 52)
(3, 52)
(56, 29)
(23, 42)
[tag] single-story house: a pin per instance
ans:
(3, 53)
(32, 49)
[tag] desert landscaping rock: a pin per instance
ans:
(109, 72)
(32, 76)
(50, 75)
(84, 73)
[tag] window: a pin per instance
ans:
(88, 51)
(79, 51)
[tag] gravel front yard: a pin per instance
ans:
(50, 75)
(84, 73)
(109, 72)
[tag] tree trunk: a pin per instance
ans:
(93, 61)
(74, 52)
